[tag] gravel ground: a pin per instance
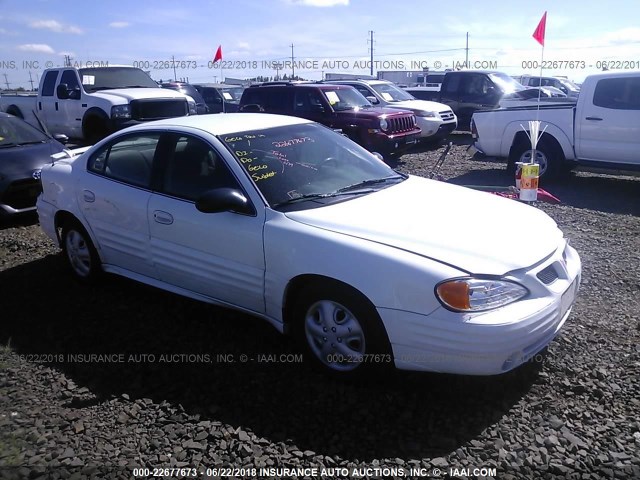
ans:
(161, 391)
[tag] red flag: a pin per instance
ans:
(218, 55)
(538, 34)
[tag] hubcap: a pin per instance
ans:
(334, 335)
(541, 159)
(78, 253)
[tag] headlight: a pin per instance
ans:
(423, 113)
(478, 294)
(384, 124)
(192, 107)
(121, 111)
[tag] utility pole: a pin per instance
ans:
(293, 69)
(371, 50)
(67, 60)
(31, 81)
(173, 60)
(466, 58)
(6, 81)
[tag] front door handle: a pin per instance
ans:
(162, 217)
(594, 118)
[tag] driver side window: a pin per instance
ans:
(193, 168)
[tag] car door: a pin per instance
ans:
(609, 124)
(46, 99)
(114, 198)
(219, 255)
(70, 111)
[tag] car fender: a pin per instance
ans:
(389, 277)
(513, 128)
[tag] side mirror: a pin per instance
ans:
(62, 91)
(61, 137)
(224, 200)
(378, 156)
(373, 99)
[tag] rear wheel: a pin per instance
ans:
(81, 255)
(340, 330)
(548, 155)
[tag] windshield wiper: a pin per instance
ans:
(372, 181)
(313, 196)
(7, 145)
(32, 142)
(135, 86)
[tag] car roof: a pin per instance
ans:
(225, 123)
(323, 86)
(218, 85)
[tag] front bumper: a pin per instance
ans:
(393, 144)
(487, 343)
(432, 128)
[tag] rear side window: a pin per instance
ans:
(128, 160)
(453, 85)
(49, 84)
(618, 93)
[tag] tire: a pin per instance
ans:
(340, 331)
(82, 257)
(94, 129)
(548, 155)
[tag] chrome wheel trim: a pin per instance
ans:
(541, 159)
(78, 253)
(334, 335)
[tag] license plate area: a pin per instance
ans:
(568, 298)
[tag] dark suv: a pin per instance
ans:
(220, 97)
(388, 131)
(188, 89)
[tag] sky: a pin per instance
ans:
(256, 36)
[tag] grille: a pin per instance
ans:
(145, 110)
(401, 124)
(22, 193)
(548, 275)
(446, 115)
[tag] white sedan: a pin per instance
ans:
(288, 220)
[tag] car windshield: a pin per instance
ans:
(186, 90)
(14, 132)
(506, 83)
(94, 79)
(232, 94)
(297, 164)
(391, 93)
(346, 99)
(569, 85)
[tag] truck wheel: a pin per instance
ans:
(94, 129)
(548, 155)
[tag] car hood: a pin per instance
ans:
(475, 231)
(138, 93)
(20, 161)
(423, 105)
(371, 112)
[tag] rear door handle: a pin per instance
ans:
(162, 217)
(594, 118)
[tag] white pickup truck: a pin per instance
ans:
(600, 130)
(87, 104)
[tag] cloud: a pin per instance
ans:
(36, 47)
(319, 3)
(55, 26)
(119, 24)
(244, 45)
(64, 54)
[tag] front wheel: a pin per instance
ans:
(341, 331)
(81, 255)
